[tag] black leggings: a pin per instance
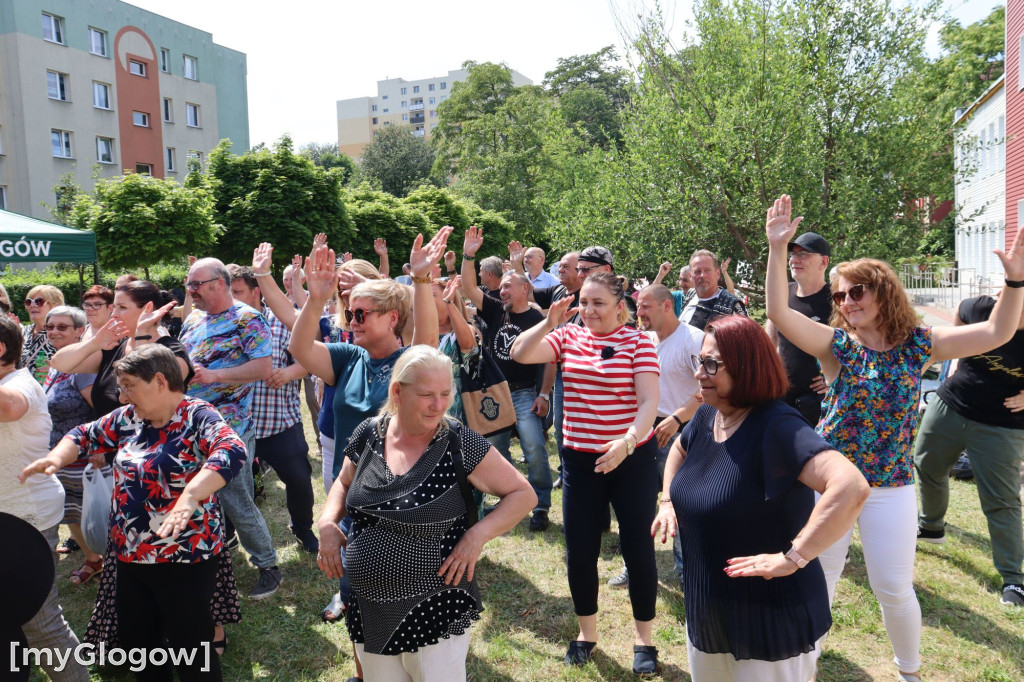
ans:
(631, 489)
(172, 601)
(288, 453)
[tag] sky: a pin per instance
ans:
(305, 55)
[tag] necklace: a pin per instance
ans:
(737, 420)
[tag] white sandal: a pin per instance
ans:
(334, 611)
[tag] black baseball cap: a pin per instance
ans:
(598, 255)
(813, 242)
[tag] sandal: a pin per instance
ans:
(579, 652)
(86, 571)
(68, 546)
(219, 646)
(334, 611)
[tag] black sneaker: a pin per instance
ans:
(68, 546)
(936, 537)
(539, 520)
(621, 580)
(558, 482)
(269, 580)
(1013, 595)
(308, 541)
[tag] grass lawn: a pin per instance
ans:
(528, 621)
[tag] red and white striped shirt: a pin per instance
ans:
(597, 373)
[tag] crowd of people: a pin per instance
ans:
(754, 450)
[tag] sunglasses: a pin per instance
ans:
(856, 292)
(38, 301)
(59, 327)
(584, 271)
(710, 365)
(93, 306)
(359, 315)
(193, 285)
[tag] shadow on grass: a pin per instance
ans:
(479, 670)
(985, 578)
(835, 666)
(516, 602)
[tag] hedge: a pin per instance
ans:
(19, 282)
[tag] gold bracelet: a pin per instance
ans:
(423, 280)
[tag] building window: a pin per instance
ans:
(57, 85)
(140, 119)
(169, 162)
(191, 68)
(105, 150)
(384, 97)
(3, 197)
(100, 95)
(444, 85)
(192, 115)
(60, 142)
(193, 154)
(430, 87)
(53, 28)
(374, 120)
(168, 108)
(387, 123)
(415, 88)
(432, 100)
(144, 169)
(444, 97)
(405, 117)
(136, 68)
(433, 113)
(373, 107)
(404, 90)
(165, 60)
(405, 104)
(385, 110)
(98, 42)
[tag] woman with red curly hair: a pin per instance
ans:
(739, 485)
(872, 356)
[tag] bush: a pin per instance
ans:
(19, 282)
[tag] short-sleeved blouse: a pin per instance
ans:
(741, 497)
(403, 528)
(870, 410)
(67, 407)
(598, 376)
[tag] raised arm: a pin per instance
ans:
(729, 284)
(421, 260)
(464, 335)
(809, 336)
(277, 300)
(999, 328)
(516, 253)
(322, 282)
(471, 244)
(529, 348)
(380, 247)
(84, 357)
(663, 270)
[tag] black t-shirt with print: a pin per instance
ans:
(502, 330)
(800, 366)
(982, 382)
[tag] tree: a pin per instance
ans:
(274, 195)
(396, 160)
(442, 207)
(140, 220)
(379, 215)
(973, 57)
(326, 156)
(591, 93)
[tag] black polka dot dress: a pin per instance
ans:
(403, 529)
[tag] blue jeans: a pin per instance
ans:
(236, 500)
(531, 438)
(558, 413)
(677, 549)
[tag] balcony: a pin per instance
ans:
(416, 106)
(418, 119)
(419, 132)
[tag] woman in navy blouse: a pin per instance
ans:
(171, 453)
(739, 485)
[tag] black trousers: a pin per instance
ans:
(631, 489)
(168, 606)
(288, 454)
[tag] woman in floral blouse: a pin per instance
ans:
(37, 351)
(171, 453)
(872, 356)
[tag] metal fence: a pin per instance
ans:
(943, 285)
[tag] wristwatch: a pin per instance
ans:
(795, 557)
(630, 447)
(544, 396)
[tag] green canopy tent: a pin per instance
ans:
(29, 240)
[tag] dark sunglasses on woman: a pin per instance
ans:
(856, 292)
(359, 315)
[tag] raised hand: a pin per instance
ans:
(664, 268)
(779, 227)
(1013, 260)
(149, 319)
(473, 241)
(451, 289)
(109, 335)
(346, 257)
(449, 260)
(348, 279)
(321, 280)
(262, 257)
(380, 247)
(559, 312)
(422, 258)
(727, 261)
(320, 239)
(515, 252)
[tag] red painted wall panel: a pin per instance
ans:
(138, 93)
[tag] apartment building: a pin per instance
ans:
(980, 161)
(102, 87)
(398, 102)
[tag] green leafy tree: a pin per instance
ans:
(442, 207)
(972, 58)
(396, 160)
(592, 91)
(379, 215)
(277, 196)
(326, 156)
(140, 220)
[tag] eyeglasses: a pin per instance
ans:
(710, 365)
(193, 285)
(359, 315)
(59, 327)
(37, 301)
(584, 271)
(94, 306)
(125, 389)
(800, 255)
(856, 292)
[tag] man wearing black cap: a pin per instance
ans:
(809, 256)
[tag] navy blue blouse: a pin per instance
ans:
(739, 498)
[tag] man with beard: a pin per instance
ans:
(710, 300)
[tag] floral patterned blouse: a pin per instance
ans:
(36, 352)
(152, 467)
(870, 410)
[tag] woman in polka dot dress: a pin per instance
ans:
(409, 555)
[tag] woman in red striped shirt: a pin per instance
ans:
(610, 373)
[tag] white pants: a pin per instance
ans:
(441, 662)
(888, 536)
(327, 470)
(725, 667)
